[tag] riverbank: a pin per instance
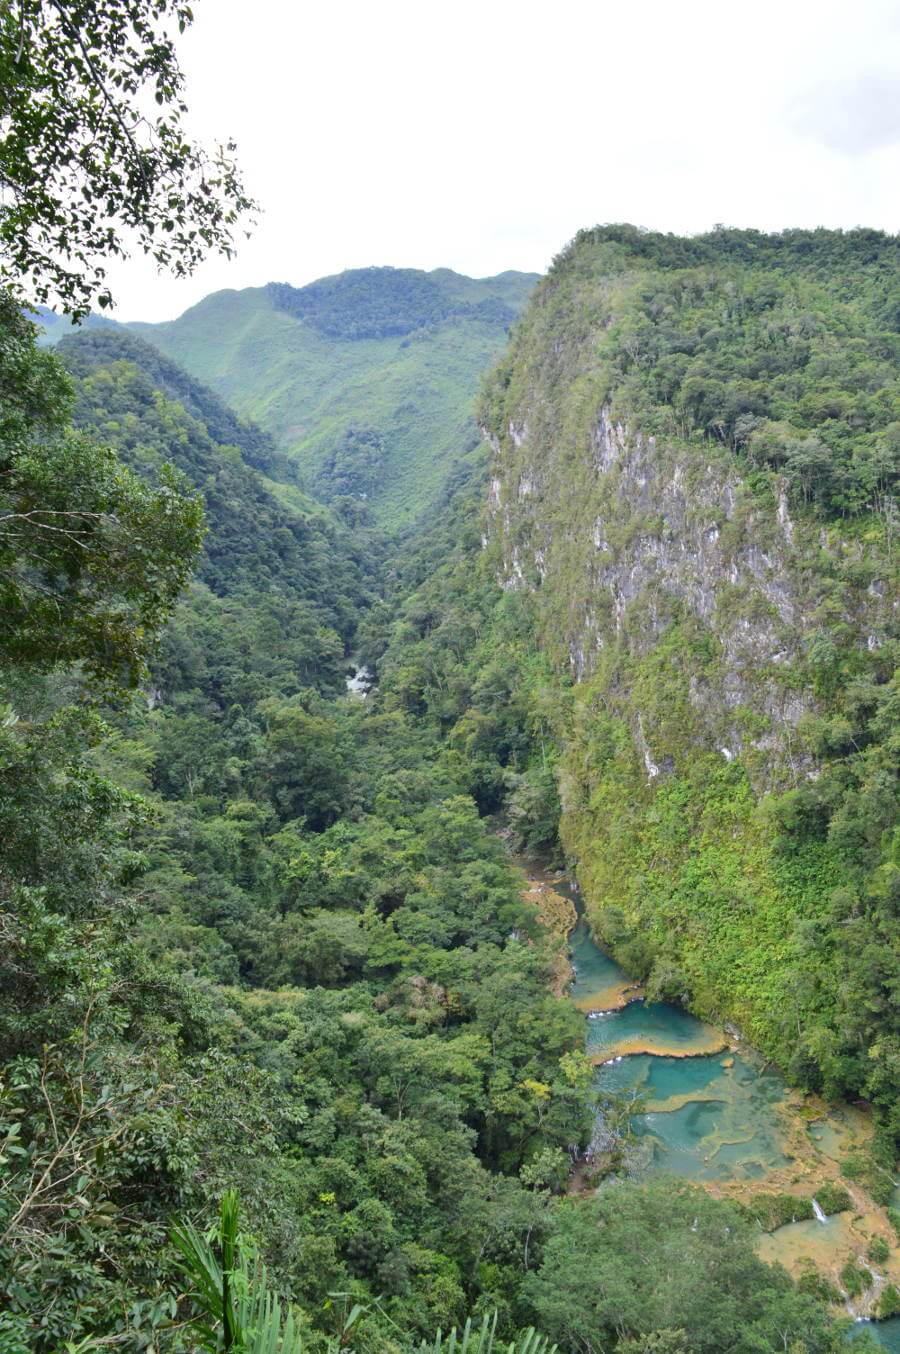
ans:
(559, 915)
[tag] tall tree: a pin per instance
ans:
(94, 153)
(92, 558)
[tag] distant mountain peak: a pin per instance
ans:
(384, 302)
(366, 380)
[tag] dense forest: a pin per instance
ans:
(287, 1063)
(265, 936)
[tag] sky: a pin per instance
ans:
(481, 135)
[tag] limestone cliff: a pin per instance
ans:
(626, 534)
(696, 446)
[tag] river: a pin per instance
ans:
(711, 1111)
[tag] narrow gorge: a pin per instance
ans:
(449, 725)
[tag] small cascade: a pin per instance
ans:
(821, 1215)
(360, 682)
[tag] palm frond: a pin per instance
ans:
(482, 1340)
(241, 1315)
(240, 1312)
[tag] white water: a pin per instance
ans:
(820, 1214)
(360, 683)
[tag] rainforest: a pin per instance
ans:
(449, 749)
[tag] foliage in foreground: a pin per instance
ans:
(230, 1286)
(94, 149)
(92, 558)
(238, 1311)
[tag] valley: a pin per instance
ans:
(449, 725)
(652, 641)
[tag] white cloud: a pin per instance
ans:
(855, 115)
(481, 136)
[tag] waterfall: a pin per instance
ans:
(361, 682)
(821, 1216)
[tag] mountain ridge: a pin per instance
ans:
(316, 386)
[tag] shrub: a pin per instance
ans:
(862, 1168)
(772, 1211)
(856, 1279)
(833, 1198)
(889, 1302)
(817, 1286)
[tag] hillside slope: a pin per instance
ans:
(280, 584)
(367, 379)
(696, 454)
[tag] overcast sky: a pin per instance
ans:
(481, 135)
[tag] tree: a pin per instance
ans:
(84, 167)
(92, 558)
(666, 1267)
(306, 759)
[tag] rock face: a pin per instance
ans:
(627, 539)
(721, 623)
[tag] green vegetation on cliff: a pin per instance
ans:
(697, 456)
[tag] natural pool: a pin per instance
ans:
(704, 1113)
(720, 1116)
(887, 1333)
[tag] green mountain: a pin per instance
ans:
(696, 466)
(366, 380)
